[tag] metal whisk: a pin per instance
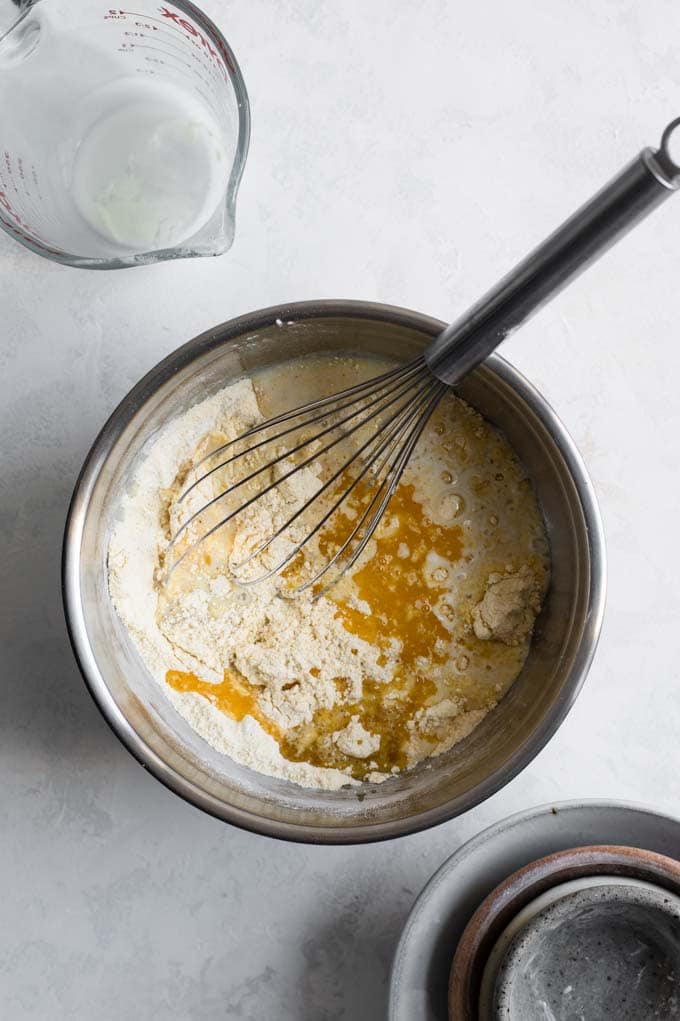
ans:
(356, 443)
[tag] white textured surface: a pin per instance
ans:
(403, 153)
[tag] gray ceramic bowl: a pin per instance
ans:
(609, 949)
(480, 868)
(509, 737)
(504, 907)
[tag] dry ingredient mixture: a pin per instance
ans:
(398, 661)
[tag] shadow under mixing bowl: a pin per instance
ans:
(135, 706)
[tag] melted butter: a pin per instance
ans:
(385, 709)
(234, 696)
(400, 594)
(396, 588)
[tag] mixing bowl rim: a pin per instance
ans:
(135, 399)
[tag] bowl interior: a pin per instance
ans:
(506, 740)
(609, 949)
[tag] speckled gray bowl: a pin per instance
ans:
(515, 900)
(607, 950)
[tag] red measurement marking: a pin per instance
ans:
(33, 240)
(186, 28)
(19, 228)
(17, 231)
(174, 17)
(9, 211)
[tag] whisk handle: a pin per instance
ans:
(641, 186)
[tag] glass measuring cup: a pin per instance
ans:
(123, 133)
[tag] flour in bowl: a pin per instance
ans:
(398, 661)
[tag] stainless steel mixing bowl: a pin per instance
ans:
(506, 740)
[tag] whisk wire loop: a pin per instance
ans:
(398, 390)
(400, 387)
(392, 480)
(358, 393)
(386, 442)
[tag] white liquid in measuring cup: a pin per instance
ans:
(151, 168)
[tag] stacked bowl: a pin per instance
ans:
(586, 932)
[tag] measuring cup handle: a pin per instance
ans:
(640, 187)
